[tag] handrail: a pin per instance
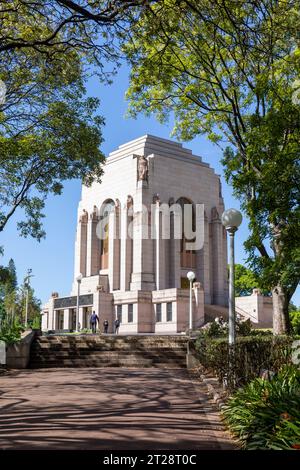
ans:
(243, 312)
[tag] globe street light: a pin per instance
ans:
(78, 279)
(231, 219)
(191, 277)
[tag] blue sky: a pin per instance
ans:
(51, 260)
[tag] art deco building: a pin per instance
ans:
(133, 263)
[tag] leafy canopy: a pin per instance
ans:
(49, 130)
(229, 70)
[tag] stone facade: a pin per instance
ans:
(257, 307)
(130, 268)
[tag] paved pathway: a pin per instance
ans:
(109, 409)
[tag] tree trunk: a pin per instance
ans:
(281, 320)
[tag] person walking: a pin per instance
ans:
(117, 326)
(93, 321)
(105, 326)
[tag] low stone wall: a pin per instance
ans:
(18, 354)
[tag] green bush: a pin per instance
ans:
(252, 355)
(219, 329)
(11, 330)
(266, 414)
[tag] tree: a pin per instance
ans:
(34, 304)
(245, 280)
(47, 25)
(48, 133)
(12, 283)
(228, 69)
(49, 130)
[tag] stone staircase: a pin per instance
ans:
(108, 351)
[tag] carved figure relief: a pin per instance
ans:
(142, 168)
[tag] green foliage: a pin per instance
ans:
(219, 329)
(85, 331)
(295, 321)
(245, 281)
(228, 70)
(36, 322)
(12, 283)
(214, 330)
(265, 414)
(49, 130)
(252, 355)
(10, 330)
(12, 305)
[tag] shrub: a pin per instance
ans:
(11, 330)
(266, 414)
(252, 354)
(295, 321)
(219, 328)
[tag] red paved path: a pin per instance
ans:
(107, 409)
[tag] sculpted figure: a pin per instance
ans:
(142, 169)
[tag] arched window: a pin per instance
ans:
(188, 257)
(106, 209)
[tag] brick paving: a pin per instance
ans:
(108, 409)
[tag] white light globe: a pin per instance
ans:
(191, 276)
(79, 277)
(232, 218)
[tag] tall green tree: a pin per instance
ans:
(12, 283)
(34, 304)
(228, 69)
(49, 131)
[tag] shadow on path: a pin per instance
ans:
(109, 409)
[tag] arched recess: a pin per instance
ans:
(107, 208)
(187, 256)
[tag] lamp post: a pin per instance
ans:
(191, 277)
(78, 279)
(231, 219)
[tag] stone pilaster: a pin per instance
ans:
(51, 311)
(217, 259)
(66, 319)
(114, 249)
(143, 246)
(161, 248)
(203, 271)
(126, 245)
(81, 245)
(93, 245)
(174, 252)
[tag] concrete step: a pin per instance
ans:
(108, 351)
(96, 364)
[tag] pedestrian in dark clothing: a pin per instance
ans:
(117, 326)
(93, 322)
(105, 326)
